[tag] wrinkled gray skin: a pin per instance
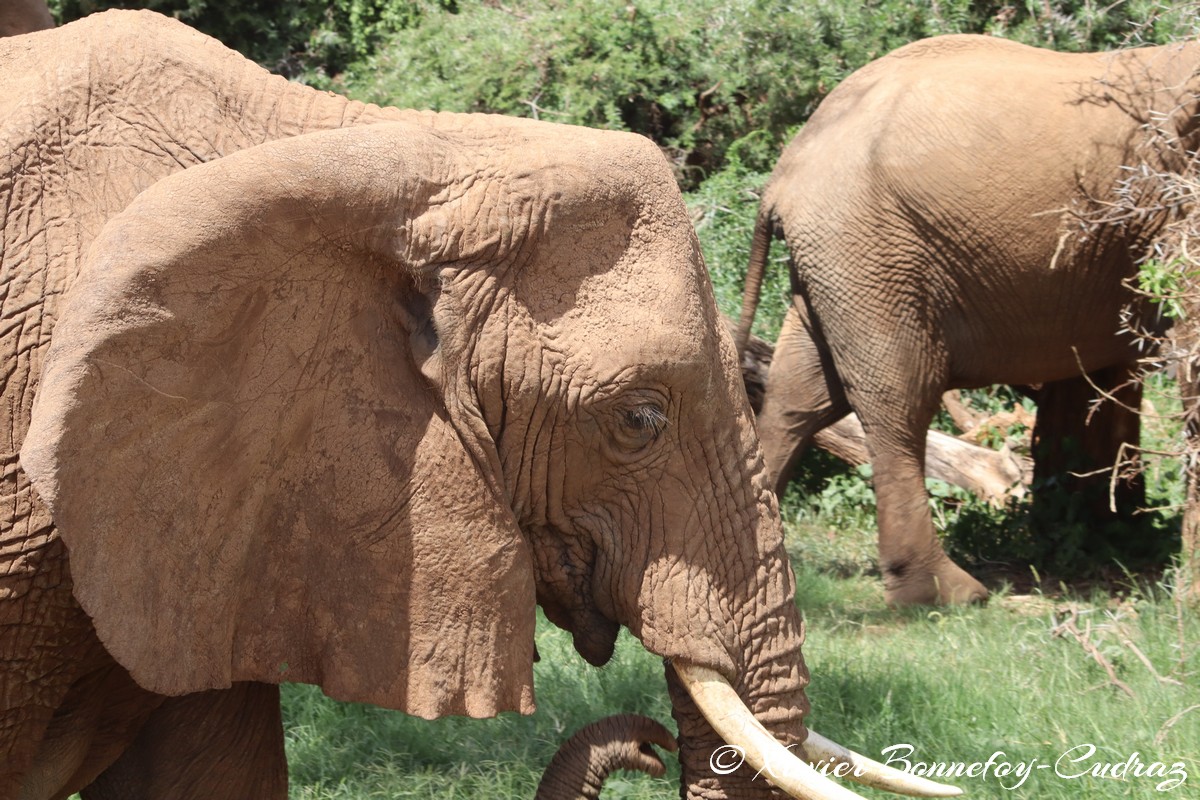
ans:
(338, 407)
(932, 209)
(24, 16)
(582, 764)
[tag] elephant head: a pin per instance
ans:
(342, 408)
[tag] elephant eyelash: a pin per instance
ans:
(647, 418)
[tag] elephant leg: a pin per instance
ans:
(803, 395)
(222, 743)
(1074, 435)
(916, 570)
(905, 385)
(98, 718)
(46, 636)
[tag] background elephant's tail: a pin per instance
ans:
(760, 248)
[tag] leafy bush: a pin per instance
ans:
(695, 78)
(723, 209)
(317, 36)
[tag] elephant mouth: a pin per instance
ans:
(596, 645)
(736, 724)
(593, 634)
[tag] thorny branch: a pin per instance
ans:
(1092, 638)
(1068, 628)
(1159, 194)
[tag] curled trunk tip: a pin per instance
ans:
(582, 764)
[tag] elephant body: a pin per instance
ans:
(300, 389)
(24, 16)
(72, 166)
(940, 209)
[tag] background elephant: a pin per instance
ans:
(294, 397)
(24, 16)
(937, 209)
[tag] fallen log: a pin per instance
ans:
(993, 475)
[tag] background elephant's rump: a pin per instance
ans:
(945, 247)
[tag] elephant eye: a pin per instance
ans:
(646, 418)
(642, 424)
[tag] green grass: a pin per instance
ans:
(958, 685)
(962, 684)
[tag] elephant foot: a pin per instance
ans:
(945, 584)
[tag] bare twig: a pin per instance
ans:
(1146, 661)
(1161, 736)
(1068, 628)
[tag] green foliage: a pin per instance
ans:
(1166, 283)
(315, 36)
(723, 209)
(695, 77)
(1080, 25)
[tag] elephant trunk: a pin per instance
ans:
(747, 737)
(770, 684)
(580, 767)
(760, 248)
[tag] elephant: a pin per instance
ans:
(582, 764)
(24, 16)
(305, 390)
(941, 211)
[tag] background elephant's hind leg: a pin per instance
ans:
(803, 395)
(1086, 426)
(896, 389)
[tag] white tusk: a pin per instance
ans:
(872, 773)
(734, 723)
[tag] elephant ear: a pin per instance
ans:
(246, 436)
